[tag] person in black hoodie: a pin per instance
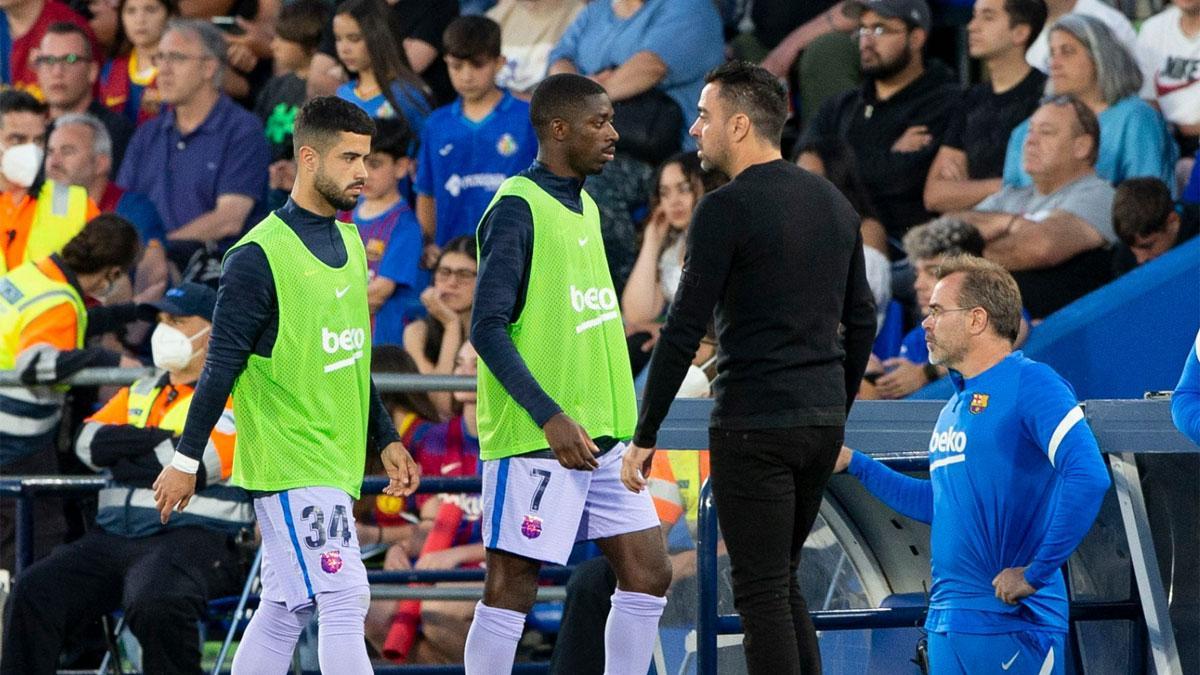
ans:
(896, 120)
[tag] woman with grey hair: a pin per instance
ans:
(1088, 62)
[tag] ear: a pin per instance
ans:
(308, 158)
(403, 167)
(559, 129)
(1173, 222)
(1081, 147)
(979, 321)
(740, 127)
(93, 72)
(1021, 34)
(103, 165)
(917, 38)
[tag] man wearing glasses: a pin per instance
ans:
(66, 74)
(203, 162)
(895, 121)
(1054, 235)
(22, 25)
(1015, 482)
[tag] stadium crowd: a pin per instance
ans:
(139, 139)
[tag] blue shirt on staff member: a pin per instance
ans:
(1016, 480)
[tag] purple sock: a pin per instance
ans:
(266, 647)
(631, 632)
(492, 640)
(340, 618)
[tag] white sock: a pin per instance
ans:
(631, 632)
(492, 640)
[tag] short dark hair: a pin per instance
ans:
(1031, 13)
(15, 100)
(1140, 208)
(321, 119)
(68, 28)
(560, 97)
(392, 137)
(107, 240)
(303, 22)
(472, 38)
(1085, 119)
(990, 286)
(754, 92)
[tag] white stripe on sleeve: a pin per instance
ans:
(1072, 418)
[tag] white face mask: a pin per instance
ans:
(171, 349)
(20, 164)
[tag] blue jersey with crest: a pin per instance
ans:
(1016, 480)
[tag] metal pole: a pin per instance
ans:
(706, 574)
(1155, 608)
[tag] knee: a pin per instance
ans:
(651, 579)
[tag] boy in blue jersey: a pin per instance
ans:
(470, 146)
(390, 233)
(1016, 480)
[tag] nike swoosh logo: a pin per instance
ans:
(451, 467)
(583, 242)
(1008, 665)
(342, 292)
(446, 149)
(1164, 89)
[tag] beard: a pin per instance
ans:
(336, 196)
(885, 70)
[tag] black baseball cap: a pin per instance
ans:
(913, 12)
(186, 299)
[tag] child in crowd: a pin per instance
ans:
(469, 147)
(390, 233)
(434, 340)
(127, 79)
(297, 36)
(381, 81)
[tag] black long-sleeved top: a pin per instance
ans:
(505, 256)
(247, 321)
(778, 253)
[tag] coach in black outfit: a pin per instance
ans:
(778, 253)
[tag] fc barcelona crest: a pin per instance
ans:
(979, 403)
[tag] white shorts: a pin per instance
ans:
(536, 508)
(309, 544)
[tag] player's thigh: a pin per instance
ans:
(639, 560)
(309, 544)
(532, 507)
(612, 509)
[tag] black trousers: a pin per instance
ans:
(162, 582)
(767, 485)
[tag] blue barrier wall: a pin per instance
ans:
(1125, 339)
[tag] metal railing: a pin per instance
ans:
(896, 432)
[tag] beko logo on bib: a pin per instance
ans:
(349, 340)
(595, 299)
